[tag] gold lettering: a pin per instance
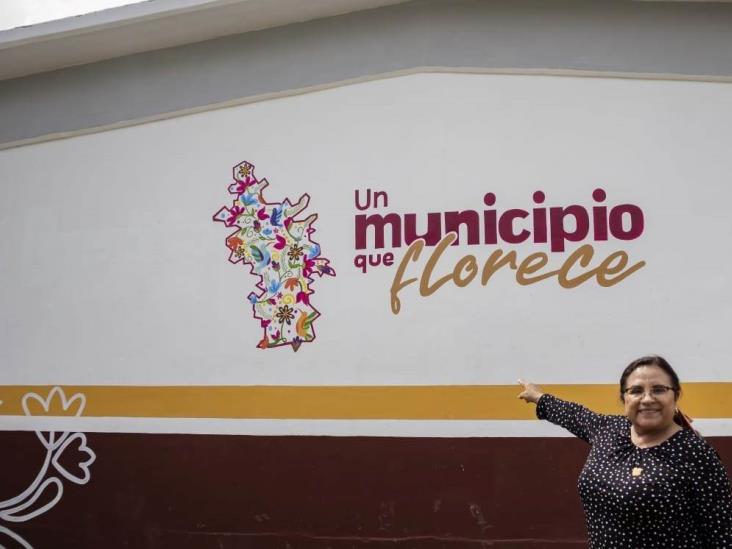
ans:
(611, 271)
(493, 263)
(467, 264)
(607, 268)
(530, 265)
(412, 254)
(583, 254)
(424, 282)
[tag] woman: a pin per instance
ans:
(649, 480)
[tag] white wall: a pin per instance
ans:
(114, 273)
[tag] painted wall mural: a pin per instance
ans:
(510, 214)
(281, 252)
(67, 457)
(484, 227)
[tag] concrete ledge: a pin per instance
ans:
(663, 40)
(152, 25)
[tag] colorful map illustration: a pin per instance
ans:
(281, 252)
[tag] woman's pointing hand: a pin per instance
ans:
(531, 392)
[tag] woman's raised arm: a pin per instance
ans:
(577, 419)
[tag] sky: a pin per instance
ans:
(20, 13)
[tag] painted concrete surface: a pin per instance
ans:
(631, 38)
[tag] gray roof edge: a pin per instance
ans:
(100, 20)
(56, 44)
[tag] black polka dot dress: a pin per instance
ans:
(673, 495)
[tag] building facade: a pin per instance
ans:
(270, 271)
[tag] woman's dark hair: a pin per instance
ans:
(651, 360)
(655, 360)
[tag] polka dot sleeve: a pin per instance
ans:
(712, 497)
(577, 419)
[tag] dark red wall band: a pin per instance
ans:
(240, 492)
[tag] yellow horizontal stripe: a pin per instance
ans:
(702, 400)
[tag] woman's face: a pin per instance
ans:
(647, 407)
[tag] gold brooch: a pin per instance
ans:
(637, 471)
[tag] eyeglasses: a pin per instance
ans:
(637, 392)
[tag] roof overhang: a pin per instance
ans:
(152, 25)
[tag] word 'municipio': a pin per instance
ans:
(553, 226)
